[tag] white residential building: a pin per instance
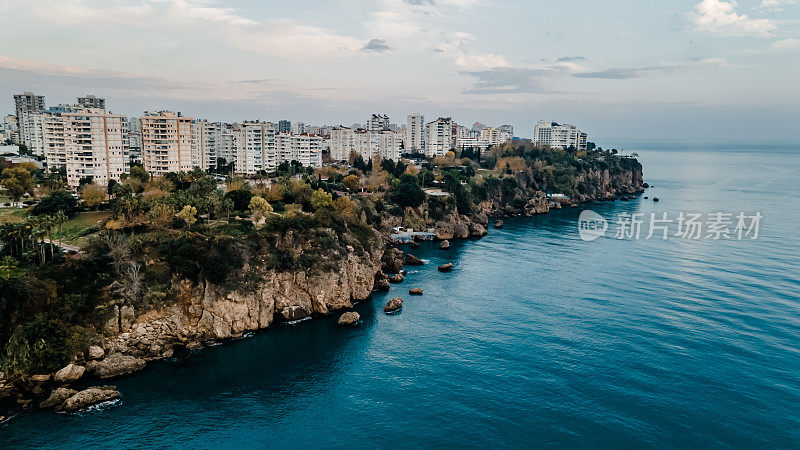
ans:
(415, 133)
(167, 142)
(304, 148)
(298, 128)
(474, 143)
(439, 137)
(558, 136)
(30, 122)
(386, 144)
(206, 137)
(11, 128)
(495, 136)
(378, 122)
(55, 148)
(255, 147)
(341, 143)
(94, 146)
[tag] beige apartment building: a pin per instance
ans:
(93, 143)
(167, 143)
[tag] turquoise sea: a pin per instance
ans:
(537, 338)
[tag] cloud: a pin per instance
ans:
(571, 59)
(786, 44)
(511, 80)
(638, 72)
(281, 38)
(720, 18)
(776, 5)
(376, 45)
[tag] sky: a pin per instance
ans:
(709, 70)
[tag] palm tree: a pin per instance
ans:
(60, 219)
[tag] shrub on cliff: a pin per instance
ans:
(408, 192)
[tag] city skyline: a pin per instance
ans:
(685, 70)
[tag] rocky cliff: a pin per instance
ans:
(204, 312)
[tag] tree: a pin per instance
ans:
(187, 214)
(138, 172)
(240, 198)
(408, 192)
(353, 182)
(321, 200)
(160, 216)
(18, 181)
(259, 207)
(93, 195)
(57, 201)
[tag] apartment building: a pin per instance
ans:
(495, 136)
(415, 133)
(30, 122)
(558, 136)
(304, 148)
(439, 137)
(90, 101)
(378, 122)
(93, 140)
(167, 142)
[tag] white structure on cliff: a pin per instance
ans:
(558, 136)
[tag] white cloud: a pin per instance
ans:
(786, 44)
(719, 17)
(776, 5)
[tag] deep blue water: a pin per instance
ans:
(537, 338)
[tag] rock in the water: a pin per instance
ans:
(393, 305)
(96, 352)
(646, 197)
(382, 284)
(118, 364)
(349, 318)
(498, 224)
(69, 374)
(645, 185)
(655, 199)
(392, 261)
(412, 260)
(415, 244)
(415, 291)
(444, 245)
(477, 230)
(396, 278)
(623, 198)
(446, 267)
(89, 397)
(57, 397)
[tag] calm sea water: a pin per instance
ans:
(537, 338)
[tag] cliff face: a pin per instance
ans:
(203, 311)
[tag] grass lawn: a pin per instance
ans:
(74, 232)
(12, 215)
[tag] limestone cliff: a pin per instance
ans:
(203, 311)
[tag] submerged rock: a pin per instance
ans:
(412, 260)
(349, 318)
(446, 267)
(117, 365)
(415, 291)
(69, 374)
(444, 245)
(393, 305)
(89, 397)
(498, 224)
(655, 199)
